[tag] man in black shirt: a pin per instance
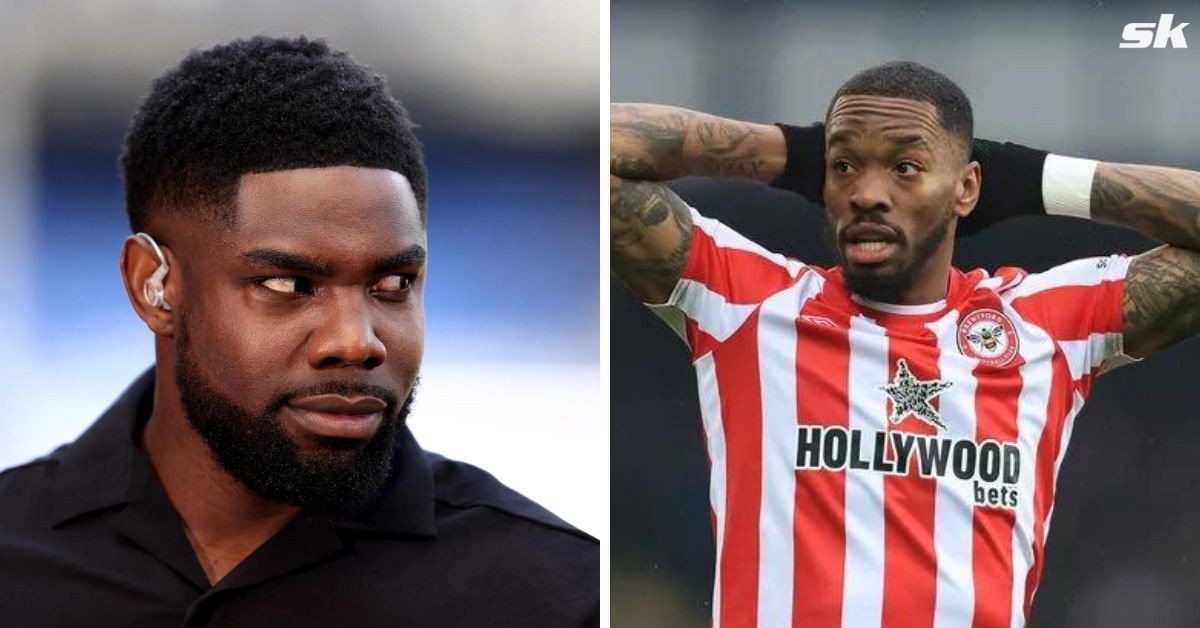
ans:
(262, 473)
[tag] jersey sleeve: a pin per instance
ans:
(725, 277)
(1080, 304)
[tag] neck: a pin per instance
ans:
(933, 281)
(223, 520)
(931, 287)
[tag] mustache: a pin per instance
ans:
(872, 219)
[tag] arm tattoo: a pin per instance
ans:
(658, 143)
(1161, 299)
(651, 237)
(660, 136)
(647, 142)
(729, 149)
(1160, 203)
(631, 167)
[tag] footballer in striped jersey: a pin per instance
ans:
(885, 435)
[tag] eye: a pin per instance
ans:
(394, 284)
(842, 166)
(906, 168)
(287, 285)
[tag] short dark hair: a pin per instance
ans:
(259, 105)
(907, 79)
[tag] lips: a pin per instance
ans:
(337, 416)
(868, 232)
(869, 243)
(337, 404)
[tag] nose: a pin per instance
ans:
(347, 336)
(870, 192)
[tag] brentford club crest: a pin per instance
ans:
(988, 336)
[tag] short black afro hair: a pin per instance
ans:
(259, 105)
(913, 81)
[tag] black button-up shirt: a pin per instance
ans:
(88, 537)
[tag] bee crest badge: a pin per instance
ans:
(989, 336)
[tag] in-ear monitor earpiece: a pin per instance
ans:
(153, 288)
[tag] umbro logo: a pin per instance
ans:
(819, 321)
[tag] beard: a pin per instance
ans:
(340, 475)
(889, 283)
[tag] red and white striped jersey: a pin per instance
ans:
(884, 465)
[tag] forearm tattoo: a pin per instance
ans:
(1160, 203)
(647, 142)
(651, 234)
(657, 143)
(729, 149)
(1161, 299)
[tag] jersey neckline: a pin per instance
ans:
(897, 308)
(958, 285)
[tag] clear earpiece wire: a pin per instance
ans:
(153, 288)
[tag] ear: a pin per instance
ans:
(138, 262)
(966, 192)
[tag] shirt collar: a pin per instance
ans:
(406, 503)
(956, 290)
(96, 471)
(102, 468)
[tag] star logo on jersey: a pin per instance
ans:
(911, 396)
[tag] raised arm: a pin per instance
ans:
(1162, 288)
(659, 143)
(651, 227)
(650, 236)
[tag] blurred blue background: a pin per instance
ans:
(507, 99)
